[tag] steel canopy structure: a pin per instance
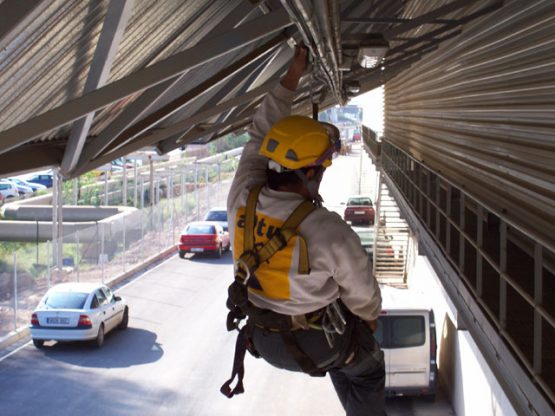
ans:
(86, 82)
(469, 107)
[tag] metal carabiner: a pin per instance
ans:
(241, 266)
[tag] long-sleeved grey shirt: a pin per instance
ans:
(339, 266)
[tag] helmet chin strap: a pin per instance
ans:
(312, 185)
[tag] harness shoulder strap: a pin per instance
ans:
(281, 237)
(250, 214)
(251, 258)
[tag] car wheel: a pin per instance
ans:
(39, 343)
(99, 341)
(219, 251)
(125, 320)
(182, 254)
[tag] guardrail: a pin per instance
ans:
(501, 276)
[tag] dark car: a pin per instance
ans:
(203, 237)
(46, 179)
(359, 209)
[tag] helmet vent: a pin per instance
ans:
(291, 155)
(271, 145)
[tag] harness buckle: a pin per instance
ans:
(243, 266)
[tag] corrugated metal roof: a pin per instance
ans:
(46, 61)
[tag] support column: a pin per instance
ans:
(151, 182)
(135, 182)
(124, 184)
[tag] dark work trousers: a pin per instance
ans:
(359, 384)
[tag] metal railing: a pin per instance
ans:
(508, 274)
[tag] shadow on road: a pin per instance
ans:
(127, 348)
(227, 258)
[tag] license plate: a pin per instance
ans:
(197, 250)
(359, 212)
(57, 321)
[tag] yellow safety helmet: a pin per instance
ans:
(297, 142)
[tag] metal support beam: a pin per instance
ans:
(154, 118)
(112, 31)
(152, 137)
(29, 158)
(123, 127)
(250, 77)
(144, 78)
(426, 18)
(388, 20)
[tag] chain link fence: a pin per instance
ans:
(115, 245)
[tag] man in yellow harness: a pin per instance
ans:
(302, 277)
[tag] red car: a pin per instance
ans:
(203, 237)
(359, 209)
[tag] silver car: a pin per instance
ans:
(78, 312)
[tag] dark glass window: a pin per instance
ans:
(360, 201)
(407, 331)
(66, 300)
(101, 297)
(201, 229)
(378, 335)
(216, 216)
(109, 294)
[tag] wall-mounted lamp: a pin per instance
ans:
(352, 87)
(371, 56)
(372, 50)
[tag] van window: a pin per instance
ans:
(407, 331)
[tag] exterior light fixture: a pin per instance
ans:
(372, 50)
(352, 87)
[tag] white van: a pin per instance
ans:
(407, 336)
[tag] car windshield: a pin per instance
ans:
(201, 229)
(359, 201)
(216, 216)
(66, 300)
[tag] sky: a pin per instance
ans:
(372, 106)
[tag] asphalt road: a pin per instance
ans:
(170, 361)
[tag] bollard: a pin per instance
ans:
(48, 263)
(78, 251)
(15, 291)
(101, 257)
(124, 247)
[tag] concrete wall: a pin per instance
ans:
(70, 213)
(34, 223)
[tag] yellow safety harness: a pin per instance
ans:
(238, 303)
(250, 259)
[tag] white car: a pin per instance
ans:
(78, 312)
(219, 215)
(8, 189)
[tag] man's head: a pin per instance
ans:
(299, 149)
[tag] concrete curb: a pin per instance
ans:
(14, 336)
(24, 332)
